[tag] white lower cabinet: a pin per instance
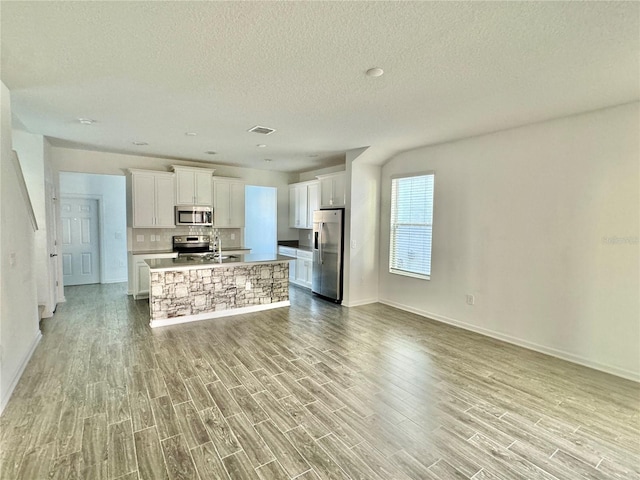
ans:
(141, 272)
(304, 265)
(293, 253)
(300, 269)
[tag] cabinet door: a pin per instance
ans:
(142, 277)
(292, 271)
(326, 192)
(300, 272)
(301, 208)
(185, 194)
(221, 204)
(339, 190)
(164, 197)
(202, 183)
(313, 191)
(332, 190)
(143, 200)
(293, 201)
(236, 204)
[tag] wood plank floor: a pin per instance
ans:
(306, 392)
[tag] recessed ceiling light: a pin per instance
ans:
(86, 121)
(375, 72)
(191, 134)
(313, 155)
(267, 160)
(261, 145)
(139, 144)
(210, 152)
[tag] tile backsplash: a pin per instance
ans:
(304, 237)
(150, 239)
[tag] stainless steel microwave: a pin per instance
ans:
(188, 215)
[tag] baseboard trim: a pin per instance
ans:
(358, 303)
(18, 375)
(561, 354)
(164, 322)
(114, 280)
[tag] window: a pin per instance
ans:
(411, 225)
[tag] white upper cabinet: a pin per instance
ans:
(193, 185)
(313, 201)
(228, 202)
(152, 199)
(332, 190)
(303, 201)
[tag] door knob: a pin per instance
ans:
(53, 254)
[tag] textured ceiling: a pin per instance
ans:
(151, 71)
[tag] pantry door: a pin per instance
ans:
(80, 243)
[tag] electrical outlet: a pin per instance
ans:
(308, 236)
(12, 259)
(233, 236)
(470, 299)
(354, 244)
(139, 238)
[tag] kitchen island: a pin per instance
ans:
(191, 289)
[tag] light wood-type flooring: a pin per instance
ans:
(311, 391)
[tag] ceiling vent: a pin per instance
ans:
(262, 130)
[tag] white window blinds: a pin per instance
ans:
(411, 225)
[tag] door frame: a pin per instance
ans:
(86, 196)
(52, 247)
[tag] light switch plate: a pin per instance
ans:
(233, 236)
(139, 238)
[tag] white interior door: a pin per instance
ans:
(80, 243)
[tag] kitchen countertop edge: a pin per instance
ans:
(167, 264)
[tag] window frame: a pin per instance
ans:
(393, 223)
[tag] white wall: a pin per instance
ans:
(72, 160)
(362, 216)
(113, 225)
(541, 224)
(19, 333)
(35, 166)
(311, 175)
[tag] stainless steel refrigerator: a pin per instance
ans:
(328, 249)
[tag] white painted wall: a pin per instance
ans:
(363, 227)
(113, 226)
(311, 175)
(34, 162)
(541, 224)
(72, 160)
(19, 333)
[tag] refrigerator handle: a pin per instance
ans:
(320, 243)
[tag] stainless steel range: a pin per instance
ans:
(193, 245)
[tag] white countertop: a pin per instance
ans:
(162, 264)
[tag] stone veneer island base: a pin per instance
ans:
(186, 291)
